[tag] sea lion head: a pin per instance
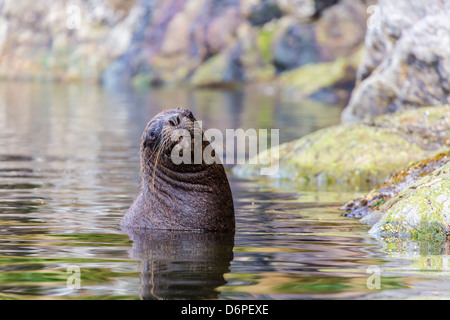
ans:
(167, 130)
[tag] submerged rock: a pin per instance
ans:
(360, 153)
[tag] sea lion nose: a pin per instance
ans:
(174, 120)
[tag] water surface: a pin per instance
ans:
(69, 169)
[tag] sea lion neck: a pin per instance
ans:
(196, 176)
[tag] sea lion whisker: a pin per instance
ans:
(155, 166)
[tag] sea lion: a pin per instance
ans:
(184, 196)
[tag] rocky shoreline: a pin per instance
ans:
(397, 84)
(411, 200)
(202, 43)
(359, 153)
(413, 203)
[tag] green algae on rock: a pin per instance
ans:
(359, 208)
(421, 211)
(212, 72)
(311, 78)
(360, 153)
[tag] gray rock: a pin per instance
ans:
(297, 46)
(263, 12)
(407, 60)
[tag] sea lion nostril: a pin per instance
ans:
(174, 120)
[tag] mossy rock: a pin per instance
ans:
(402, 179)
(264, 43)
(221, 70)
(211, 72)
(358, 153)
(421, 211)
(245, 62)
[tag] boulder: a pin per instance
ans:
(322, 78)
(359, 153)
(263, 11)
(421, 211)
(295, 45)
(407, 59)
(221, 70)
(401, 180)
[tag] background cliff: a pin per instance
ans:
(310, 48)
(205, 43)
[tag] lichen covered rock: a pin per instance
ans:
(312, 78)
(420, 211)
(360, 153)
(365, 205)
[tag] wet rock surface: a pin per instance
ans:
(357, 154)
(420, 211)
(398, 182)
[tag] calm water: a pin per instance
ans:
(69, 171)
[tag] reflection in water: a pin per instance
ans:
(181, 265)
(69, 169)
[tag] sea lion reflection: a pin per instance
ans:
(181, 264)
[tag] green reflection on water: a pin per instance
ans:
(88, 276)
(15, 260)
(71, 240)
(278, 283)
(5, 296)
